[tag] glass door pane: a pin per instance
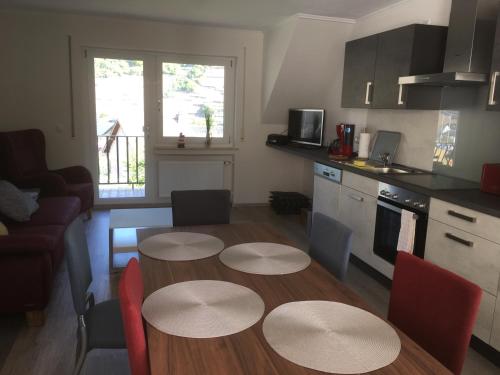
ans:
(119, 104)
(189, 91)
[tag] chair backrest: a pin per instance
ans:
(201, 207)
(131, 292)
(330, 244)
(435, 308)
(78, 262)
(23, 153)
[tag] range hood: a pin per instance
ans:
(469, 46)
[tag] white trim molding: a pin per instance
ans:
(325, 18)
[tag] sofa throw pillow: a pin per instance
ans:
(3, 229)
(15, 204)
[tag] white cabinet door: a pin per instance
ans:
(326, 197)
(358, 211)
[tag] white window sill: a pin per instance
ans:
(163, 149)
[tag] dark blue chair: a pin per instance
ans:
(100, 325)
(330, 244)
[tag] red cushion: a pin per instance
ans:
(54, 211)
(85, 192)
(131, 292)
(435, 307)
(54, 233)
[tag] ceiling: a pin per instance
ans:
(252, 14)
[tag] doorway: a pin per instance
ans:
(118, 98)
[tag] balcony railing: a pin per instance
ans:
(121, 160)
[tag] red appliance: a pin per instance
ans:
(490, 180)
(345, 142)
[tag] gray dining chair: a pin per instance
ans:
(99, 325)
(330, 244)
(201, 207)
(106, 362)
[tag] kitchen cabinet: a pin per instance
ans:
(494, 89)
(326, 197)
(467, 243)
(359, 72)
(409, 50)
(358, 211)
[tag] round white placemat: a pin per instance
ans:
(178, 246)
(331, 337)
(265, 258)
(203, 308)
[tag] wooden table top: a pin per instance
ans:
(247, 352)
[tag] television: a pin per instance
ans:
(305, 126)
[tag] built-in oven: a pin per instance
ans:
(391, 202)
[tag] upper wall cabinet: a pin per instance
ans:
(374, 64)
(494, 92)
(359, 72)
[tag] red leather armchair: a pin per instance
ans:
(22, 161)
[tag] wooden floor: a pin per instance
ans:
(50, 349)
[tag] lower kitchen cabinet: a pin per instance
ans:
(495, 332)
(358, 211)
(477, 260)
(326, 197)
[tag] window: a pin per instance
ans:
(192, 87)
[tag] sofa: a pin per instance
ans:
(30, 255)
(22, 162)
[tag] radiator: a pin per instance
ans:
(189, 175)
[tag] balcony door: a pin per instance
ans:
(121, 141)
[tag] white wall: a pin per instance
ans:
(34, 87)
(312, 64)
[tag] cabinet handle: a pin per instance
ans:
(368, 91)
(400, 95)
(356, 198)
(459, 240)
(493, 84)
(462, 216)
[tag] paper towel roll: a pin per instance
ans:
(364, 145)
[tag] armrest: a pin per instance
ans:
(75, 175)
(50, 184)
(17, 244)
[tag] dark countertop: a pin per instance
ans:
(453, 190)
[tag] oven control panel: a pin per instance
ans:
(404, 197)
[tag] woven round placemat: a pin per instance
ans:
(203, 309)
(265, 258)
(179, 246)
(331, 337)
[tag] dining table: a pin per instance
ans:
(247, 352)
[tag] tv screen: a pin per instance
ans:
(306, 126)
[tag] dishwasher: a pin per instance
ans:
(326, 190)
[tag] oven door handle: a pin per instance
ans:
(389, 206)
(395, 209)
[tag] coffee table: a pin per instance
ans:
(123, 224)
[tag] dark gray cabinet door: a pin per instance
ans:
(394, 55)
(359, 72)
(494, 89)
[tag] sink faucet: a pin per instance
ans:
(384, 156)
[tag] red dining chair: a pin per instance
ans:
(131, 292)
(434, 307)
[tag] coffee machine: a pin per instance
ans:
(343, 145)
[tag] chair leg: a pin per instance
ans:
(81, 346)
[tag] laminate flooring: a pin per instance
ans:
(51, 348)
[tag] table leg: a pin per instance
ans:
(110, 251)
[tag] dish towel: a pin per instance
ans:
(406, 238)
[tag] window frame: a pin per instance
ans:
(229, 64)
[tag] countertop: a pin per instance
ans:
(453, 190)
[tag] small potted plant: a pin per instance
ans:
(208, 113)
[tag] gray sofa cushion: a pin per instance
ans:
(15, 204)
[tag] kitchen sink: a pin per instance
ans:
(380, 169)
